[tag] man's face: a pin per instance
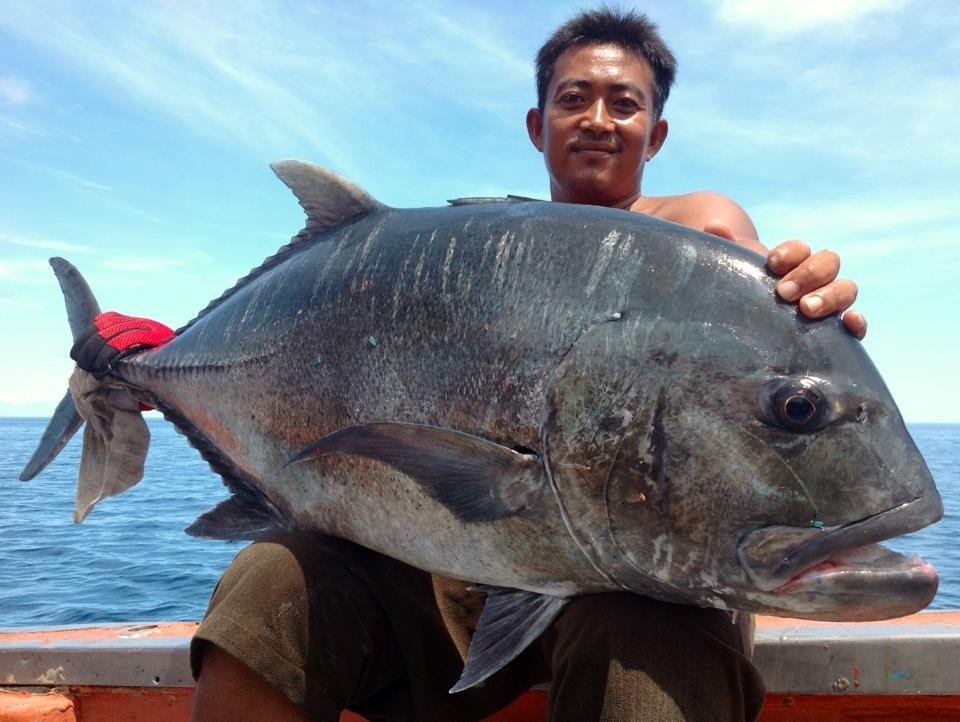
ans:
(598, 126)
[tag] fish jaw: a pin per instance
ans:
(870, 583)
(841, 573)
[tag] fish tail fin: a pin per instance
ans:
(81, 306)
(60, 429)
(116, 437)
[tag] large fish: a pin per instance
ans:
(548, 399)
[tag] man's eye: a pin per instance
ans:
(627, 104)
(570, 98)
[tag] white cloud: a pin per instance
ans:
(66, 176)
(44, 243)
(462, 43)
(16, 303)
(276, 76)
(20, 127)
(218, 73)
(877, 110)
(107, 195)
(25, 270)
(776, 18)
(862, 213)
(131, 263)
(33, 394)
(14, 90)
(870, 227)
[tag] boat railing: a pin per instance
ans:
(813, 671)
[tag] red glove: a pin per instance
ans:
(113, 335)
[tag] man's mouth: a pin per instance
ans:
(594, 148)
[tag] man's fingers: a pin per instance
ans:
(856, 324)
(811, 281)
(835, 297)
(787, 256)
(813, 273)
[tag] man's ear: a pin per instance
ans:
(535, 127)
(657, 137)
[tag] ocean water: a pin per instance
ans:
(131, 561)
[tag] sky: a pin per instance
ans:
(135, 138)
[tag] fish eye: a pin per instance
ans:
(794, 404)
(799, 409)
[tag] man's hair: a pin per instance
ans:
(631, 30)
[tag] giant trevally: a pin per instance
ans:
(546, 399)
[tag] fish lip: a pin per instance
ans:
(888, 561)
(818, 545)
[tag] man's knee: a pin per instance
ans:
(295, 611)
(229, 690)
(622, 622)
(611, 653)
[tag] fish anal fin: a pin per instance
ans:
(245, 515)
(477, 479)
(511, 621)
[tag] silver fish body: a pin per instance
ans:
(551, 398)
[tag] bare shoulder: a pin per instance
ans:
(697, 210)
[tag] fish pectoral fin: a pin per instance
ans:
(477, 479)
(245, 515)
(511, 620)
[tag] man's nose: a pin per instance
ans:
(597, 118)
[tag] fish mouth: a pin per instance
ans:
(788, 560)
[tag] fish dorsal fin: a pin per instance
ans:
(483, 200)
(327, 199)
(510, 622)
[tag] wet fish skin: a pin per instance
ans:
(644, 363)
(551, 398)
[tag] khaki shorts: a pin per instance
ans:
(334, 626)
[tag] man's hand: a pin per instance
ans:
(112, 336)
(811, 280)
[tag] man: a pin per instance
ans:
(302, 626)
(599, 120)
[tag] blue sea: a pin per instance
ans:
(131, 561)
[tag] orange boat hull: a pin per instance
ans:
(905, 669)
